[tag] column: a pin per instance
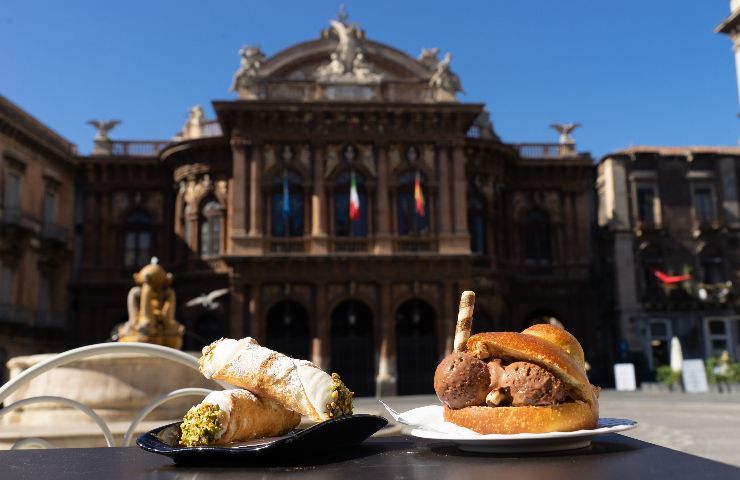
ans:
(386, 383)
(239, 186)
(459, 190)
(319, 241)
(254, 236)
(445, 207)
(321, 340)
(382, 212)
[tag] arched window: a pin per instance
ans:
(538, 239)
(412, 204)
(652, 261)
(711, 266)
(350, 211)
(137, 242)
(211, 215)
(287, 205)
(477, 224)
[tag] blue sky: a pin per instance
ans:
(632, 72)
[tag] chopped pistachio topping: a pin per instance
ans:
(341, 398)
(207, 354)
(201, 425)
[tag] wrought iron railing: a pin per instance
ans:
(350, 245)
(287, 245)
(545, 150)
(414, 244)
(138, 148)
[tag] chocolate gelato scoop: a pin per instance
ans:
(530, 384)
(496, 369)
(462, 380)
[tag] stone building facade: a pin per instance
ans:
(37, 186)
(256, 202)
(670, 225)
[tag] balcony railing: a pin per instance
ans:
(54, 232)
(211, 129)
(414, 245)
(545, 150)
(351, 245)
(16, 217)
(286, 245)
(138, 148)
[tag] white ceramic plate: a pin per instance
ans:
(529, 442)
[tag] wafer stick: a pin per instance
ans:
(464, 320)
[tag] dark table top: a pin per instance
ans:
(609, 457)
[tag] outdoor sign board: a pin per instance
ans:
(694, 376)
(624, 377)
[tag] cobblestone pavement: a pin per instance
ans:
(707, 425)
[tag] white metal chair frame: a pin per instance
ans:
(91, 351)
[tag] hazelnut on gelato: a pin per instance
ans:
(462, 380)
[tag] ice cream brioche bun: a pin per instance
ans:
(554, 350)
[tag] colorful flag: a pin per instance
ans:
(418, 195)
(286, 197)
(671, 279)
(354, 200)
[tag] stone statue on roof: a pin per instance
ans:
(252, 59)
(347, 64)
(444, 79)
(429, 58)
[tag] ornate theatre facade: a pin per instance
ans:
(343, 200)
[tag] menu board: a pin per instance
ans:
(694, 376)
(624, 377)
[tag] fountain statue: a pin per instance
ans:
(151, 309)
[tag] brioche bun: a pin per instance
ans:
(553, 349)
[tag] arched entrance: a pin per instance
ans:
(416, 347)
(287, 329)
(353, 346)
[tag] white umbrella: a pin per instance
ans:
(676, 355)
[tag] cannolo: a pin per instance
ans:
(228, 416)
(298, 385)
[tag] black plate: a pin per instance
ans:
(297, 447)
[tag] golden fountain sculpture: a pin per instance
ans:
(151, 309)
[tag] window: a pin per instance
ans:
(49, 207)
(287, 206)
(477, 224)
(6, 285)
(652, 261)
(538, 239)
(210, 228)
(345, 225)
(412, 204)
(44, 300)
(11, 196)
(646, 200)
(137, 239)
(704, 204)
(711, 266)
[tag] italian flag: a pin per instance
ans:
(418, 195)
(354, 199)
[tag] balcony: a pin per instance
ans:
(15, 217)
(545, 150)
(414, 244)
(350, 245)
(56, 233)
(287, 245)
(137, 148)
